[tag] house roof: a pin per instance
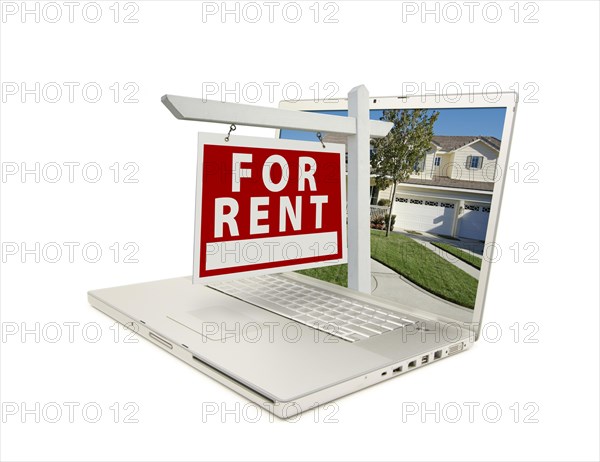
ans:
(445, 143)
(445, 182)
(339, 138)
(452, 143)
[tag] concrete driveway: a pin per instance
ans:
(470, 245)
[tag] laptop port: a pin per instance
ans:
(455, 348)
(437, 354)
(160, 340)
(412, 364)
(384, 373)
(425, 359)
(398, 369)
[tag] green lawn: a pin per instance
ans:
(467, 257)
(416, 263)
(337, 274)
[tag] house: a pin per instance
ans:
(450, 190)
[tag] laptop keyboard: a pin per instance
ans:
(344, 317)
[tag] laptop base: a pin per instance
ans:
(283, 375)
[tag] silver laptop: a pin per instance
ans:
(292, 341)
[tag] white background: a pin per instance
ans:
(171, 50)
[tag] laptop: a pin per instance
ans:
(292, 341)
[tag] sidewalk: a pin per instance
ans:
(470, 270)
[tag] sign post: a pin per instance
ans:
(357, 125)
(359, 176)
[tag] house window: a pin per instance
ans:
(374, 195)
(475, 162)
(419, 165)
(436, 161)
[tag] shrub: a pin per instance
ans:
(377, 222)
(380, 222)
(383, 202)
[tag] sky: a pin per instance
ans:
(463, 121)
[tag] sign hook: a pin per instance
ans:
(232, 128)
(321, 139)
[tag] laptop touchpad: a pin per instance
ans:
(219, 322)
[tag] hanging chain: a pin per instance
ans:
(232, 128)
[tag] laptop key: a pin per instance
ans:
(380, 317)
(303, 310)
(394, 315)
(373, 327)
(360, 330)
(332, 313)
(327, 318)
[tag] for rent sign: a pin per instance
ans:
(266, 205)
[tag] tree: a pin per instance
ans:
(396, 156)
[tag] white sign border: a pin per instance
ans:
(269, 143)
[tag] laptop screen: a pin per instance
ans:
(435, 176)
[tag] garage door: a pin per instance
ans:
(427, 214)
(474, 221)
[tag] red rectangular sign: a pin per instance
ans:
(266, 205)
